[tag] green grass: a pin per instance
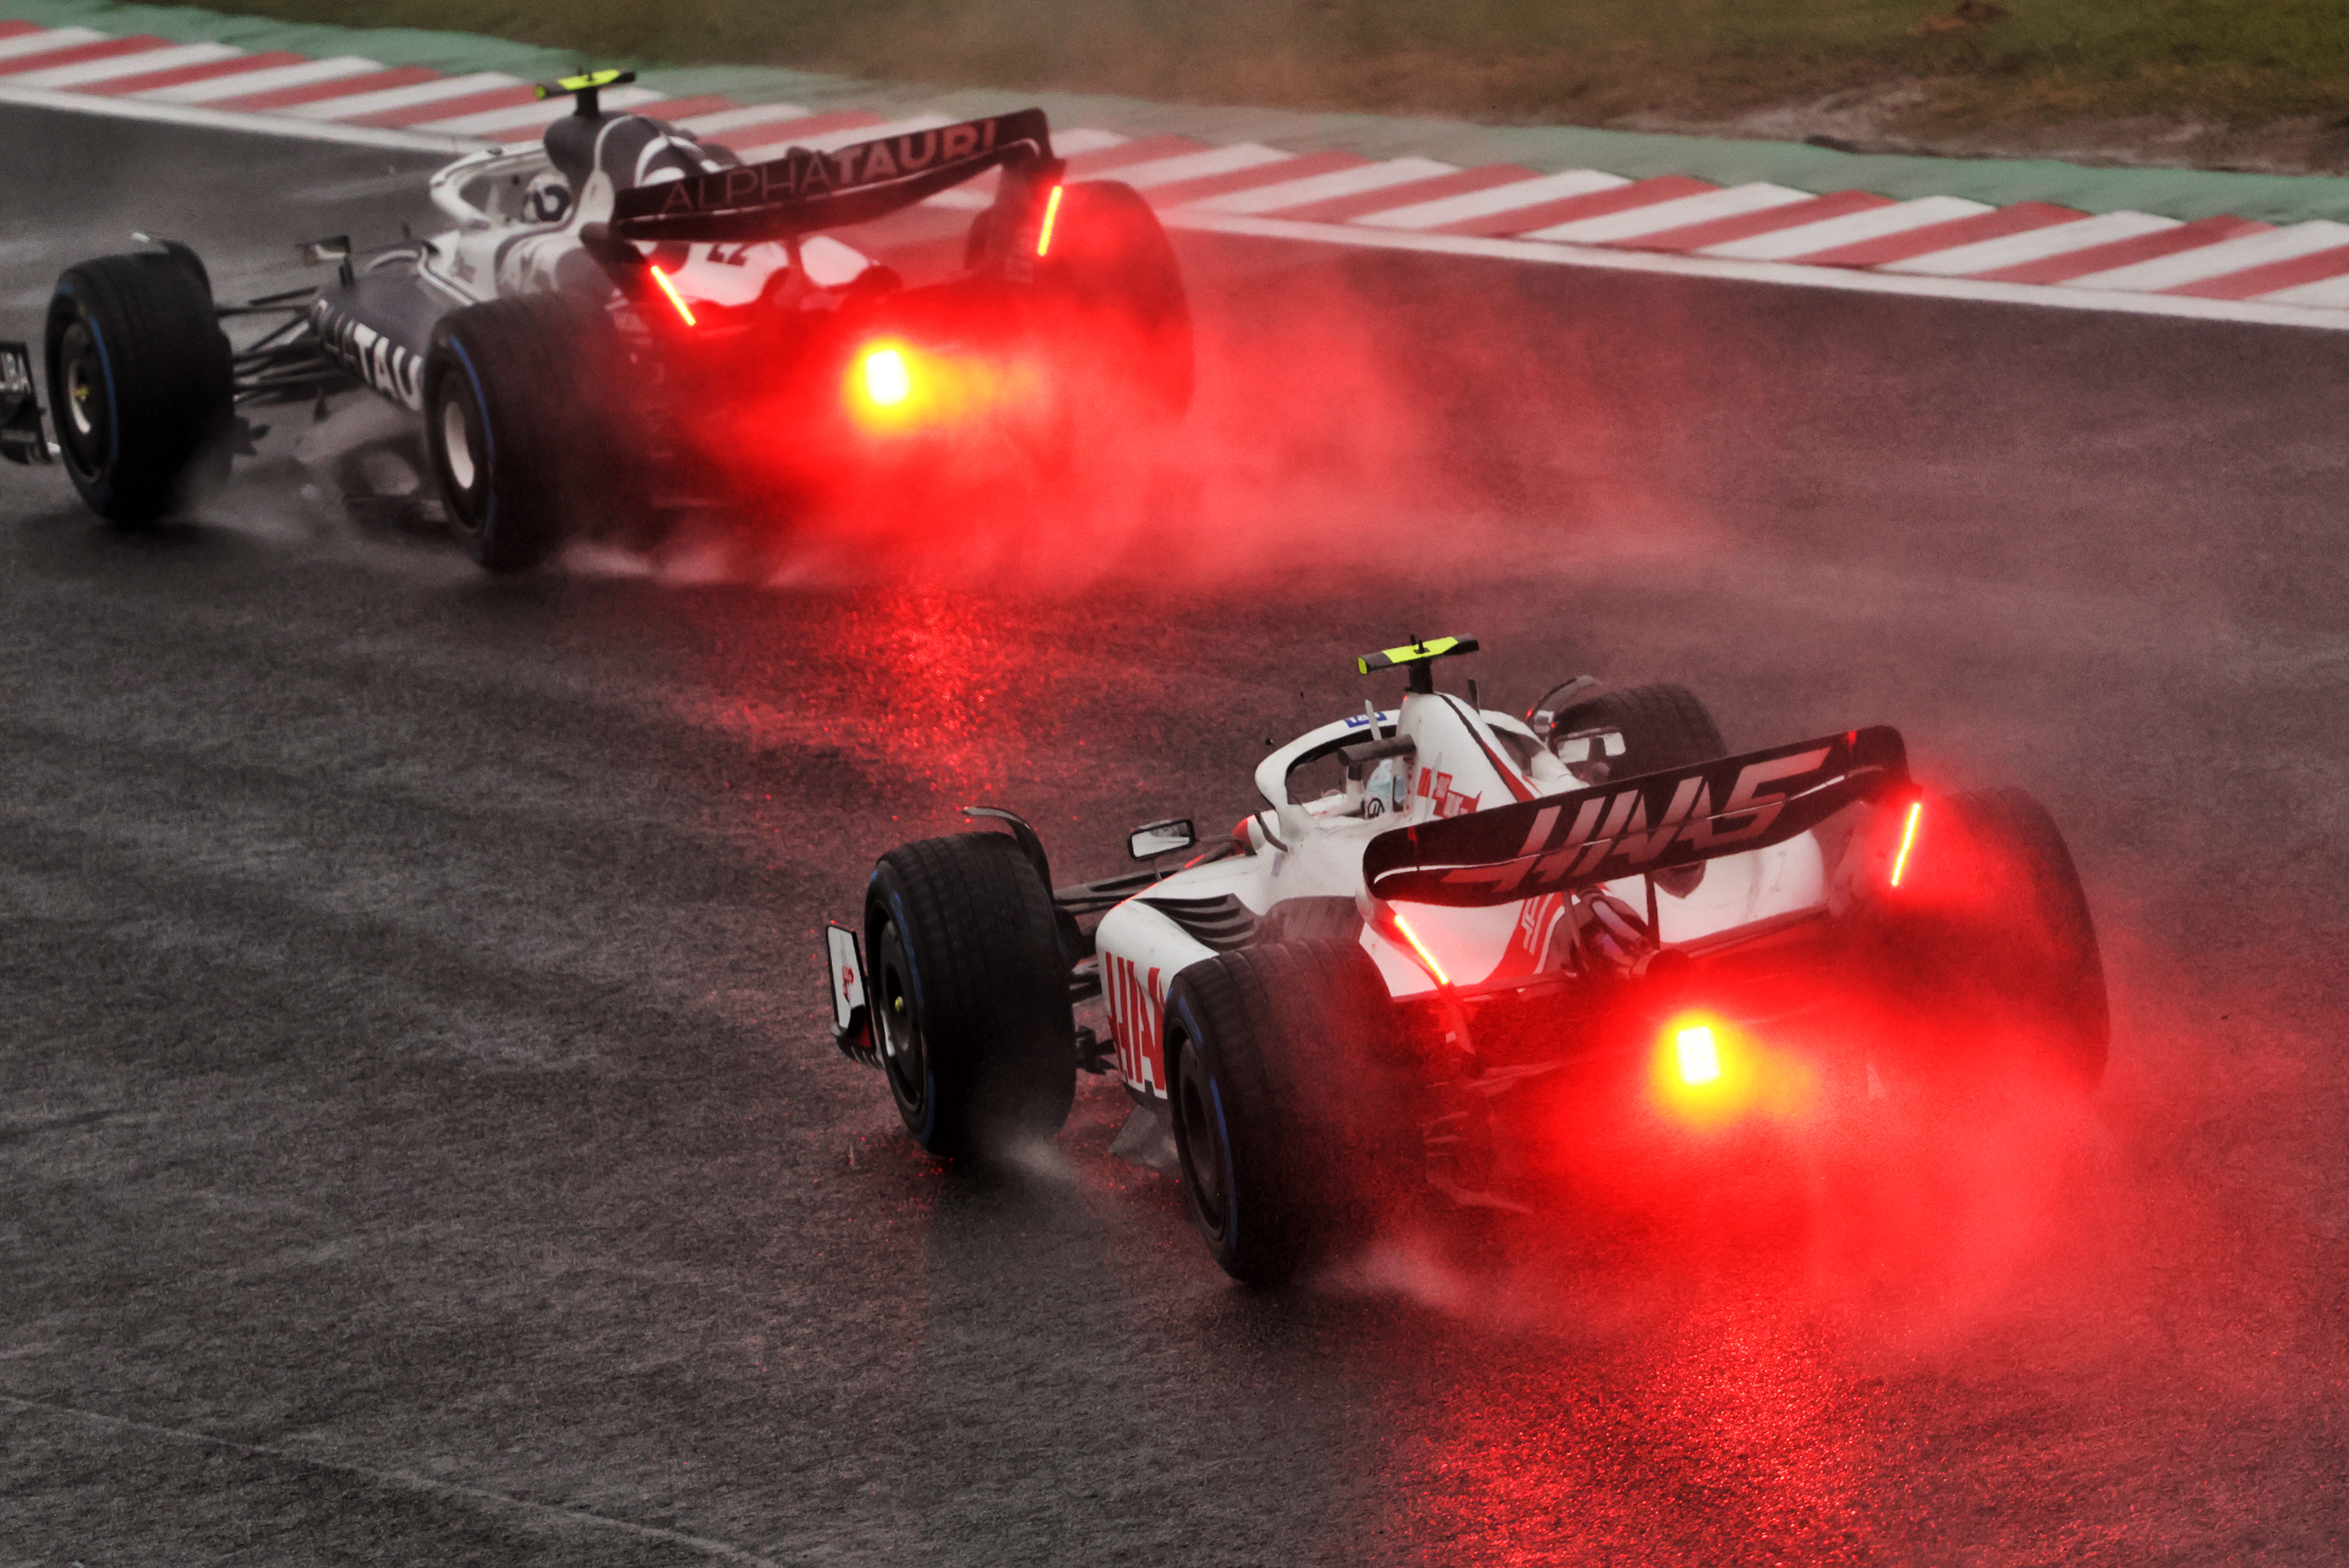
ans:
(2244, 64)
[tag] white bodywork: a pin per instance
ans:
(1460, 762)
(494, 250)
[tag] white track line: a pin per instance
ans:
(24, 44)
(1847, 280)
(1070, 143)
(1678, 213)
(736, 118)
(405, 1479)
(238, 84)
(1492, 199)
(234, 120)
(2325, 294)
(2033, 244)
(1849, 229)
(119, 66)
(364, 103)
(2180, 267)
(1326, 187)
(2314, 306)
(531, 115)
(834, 140)
(1196, 165)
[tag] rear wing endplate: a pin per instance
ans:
(805, 190)
(1557, 843)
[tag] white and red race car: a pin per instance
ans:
(1394, 986)
(628, 324)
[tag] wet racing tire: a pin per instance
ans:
(1989, 945)
(1110, 268)
(515, 398)
(1292, 1113)
(969, 994)
(1663, 726)
(140, 379)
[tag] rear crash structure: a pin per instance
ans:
(1491, 933)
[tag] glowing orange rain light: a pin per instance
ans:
(1426, 959)
(888, 380)
(675, 299)
(1907, 837)
(1699, 1058)
(1052, 216)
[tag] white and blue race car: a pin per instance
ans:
(627, 322)
(1393, 986)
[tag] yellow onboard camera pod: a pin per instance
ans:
(1418, 657)
(586, 88)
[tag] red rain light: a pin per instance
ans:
(888, 380)
(1908, 838)
(1052, 216)
(1426, 959)
(1699, 1058)
(675, 299)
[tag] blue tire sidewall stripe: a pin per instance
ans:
(914, 974)
(106, 364)
(488, 436)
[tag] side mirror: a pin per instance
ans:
(1147, 842)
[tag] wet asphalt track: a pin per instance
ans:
(420, 1125)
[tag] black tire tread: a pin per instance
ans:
(173, 384)
(979, 927)
(1319, 1118)
(1663, 725)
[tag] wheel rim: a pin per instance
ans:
(1199, 1140)
(903, 1054)
(86, 412)
(457, 444)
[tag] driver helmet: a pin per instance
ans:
(547, 199)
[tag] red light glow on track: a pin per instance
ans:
(1699, 1058)
(1426, 960)
(1051, 217)
(675, 299)
(888, 380)
(1907, 841)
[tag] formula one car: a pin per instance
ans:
(1489, 936)
(629, 321)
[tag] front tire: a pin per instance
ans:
(139, 377)
(970, 998)
(1291, 1108)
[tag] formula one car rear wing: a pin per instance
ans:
(805, 190)
(1557, 843)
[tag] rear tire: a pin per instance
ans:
(514, 394)
(1989, 944)
(1663, 726)
(970, 994)
(1292, 1111)
(1111, 268)
(140, 380)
